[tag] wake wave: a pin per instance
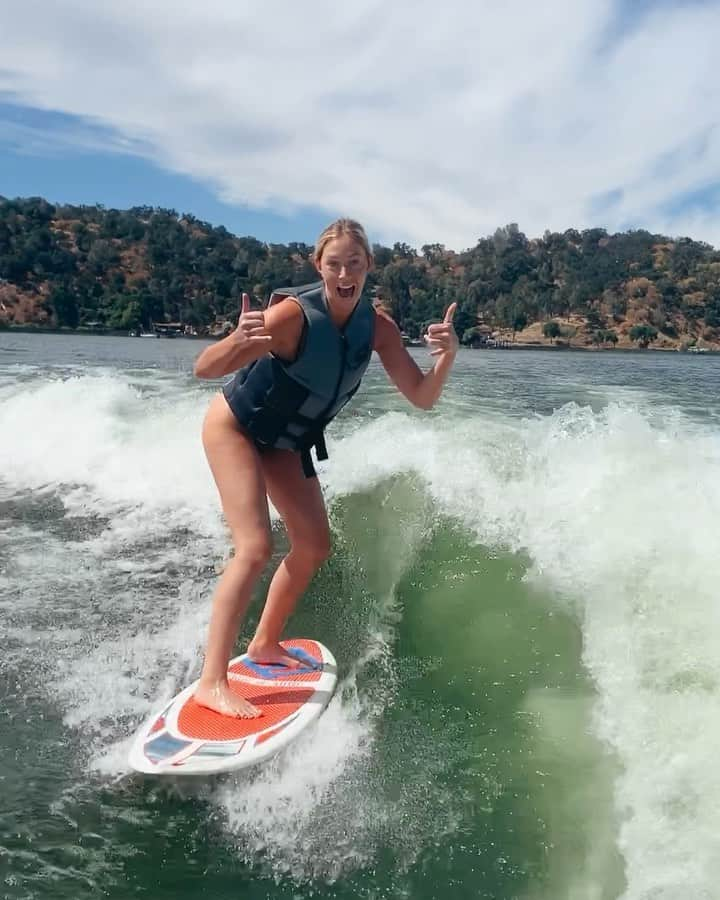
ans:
(616, 510)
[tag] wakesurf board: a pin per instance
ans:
(184, 738)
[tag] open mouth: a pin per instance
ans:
(347, 293)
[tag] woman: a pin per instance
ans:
(299, 361)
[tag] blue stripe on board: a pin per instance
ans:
(278, 671)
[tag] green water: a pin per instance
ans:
(478, 763)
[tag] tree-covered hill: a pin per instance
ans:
(87, 266)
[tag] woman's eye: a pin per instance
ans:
(352, 266)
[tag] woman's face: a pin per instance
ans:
(343, 267)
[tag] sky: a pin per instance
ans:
(428, 122)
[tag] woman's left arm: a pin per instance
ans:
(421, 389)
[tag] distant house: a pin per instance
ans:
(169, 329)
(479, 336)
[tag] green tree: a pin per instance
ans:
(520, 322)
(643, 334)
(64, 306)
(551, 330)
(433, 253)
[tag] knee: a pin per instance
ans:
(313, 551)
(253, 550)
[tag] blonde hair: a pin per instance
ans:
(338, 229)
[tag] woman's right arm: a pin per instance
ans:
(258, 332)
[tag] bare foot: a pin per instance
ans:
(221, 699)
(274, 654)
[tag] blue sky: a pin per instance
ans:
(64, 171)
(438, 126)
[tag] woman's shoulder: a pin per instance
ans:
(285, 320)
(285, 310)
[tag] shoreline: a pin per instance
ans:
(511, 346)
(97, 332)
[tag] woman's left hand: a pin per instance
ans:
(441, 337)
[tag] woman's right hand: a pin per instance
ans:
(251, 325)
(248, 342)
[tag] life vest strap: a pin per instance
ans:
(318, 442)
(320, 448)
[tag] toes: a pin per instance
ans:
(228, 705)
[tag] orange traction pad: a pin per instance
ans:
(276, 702)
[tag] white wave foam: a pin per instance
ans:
(112, 450)
(289, 813)
(619, 516)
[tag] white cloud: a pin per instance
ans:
(430, 122)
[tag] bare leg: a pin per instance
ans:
(300, 503)
(235, 465)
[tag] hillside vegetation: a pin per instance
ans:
(91, 267)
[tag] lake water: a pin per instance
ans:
(523, 603)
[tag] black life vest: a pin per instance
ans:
(288, 404)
